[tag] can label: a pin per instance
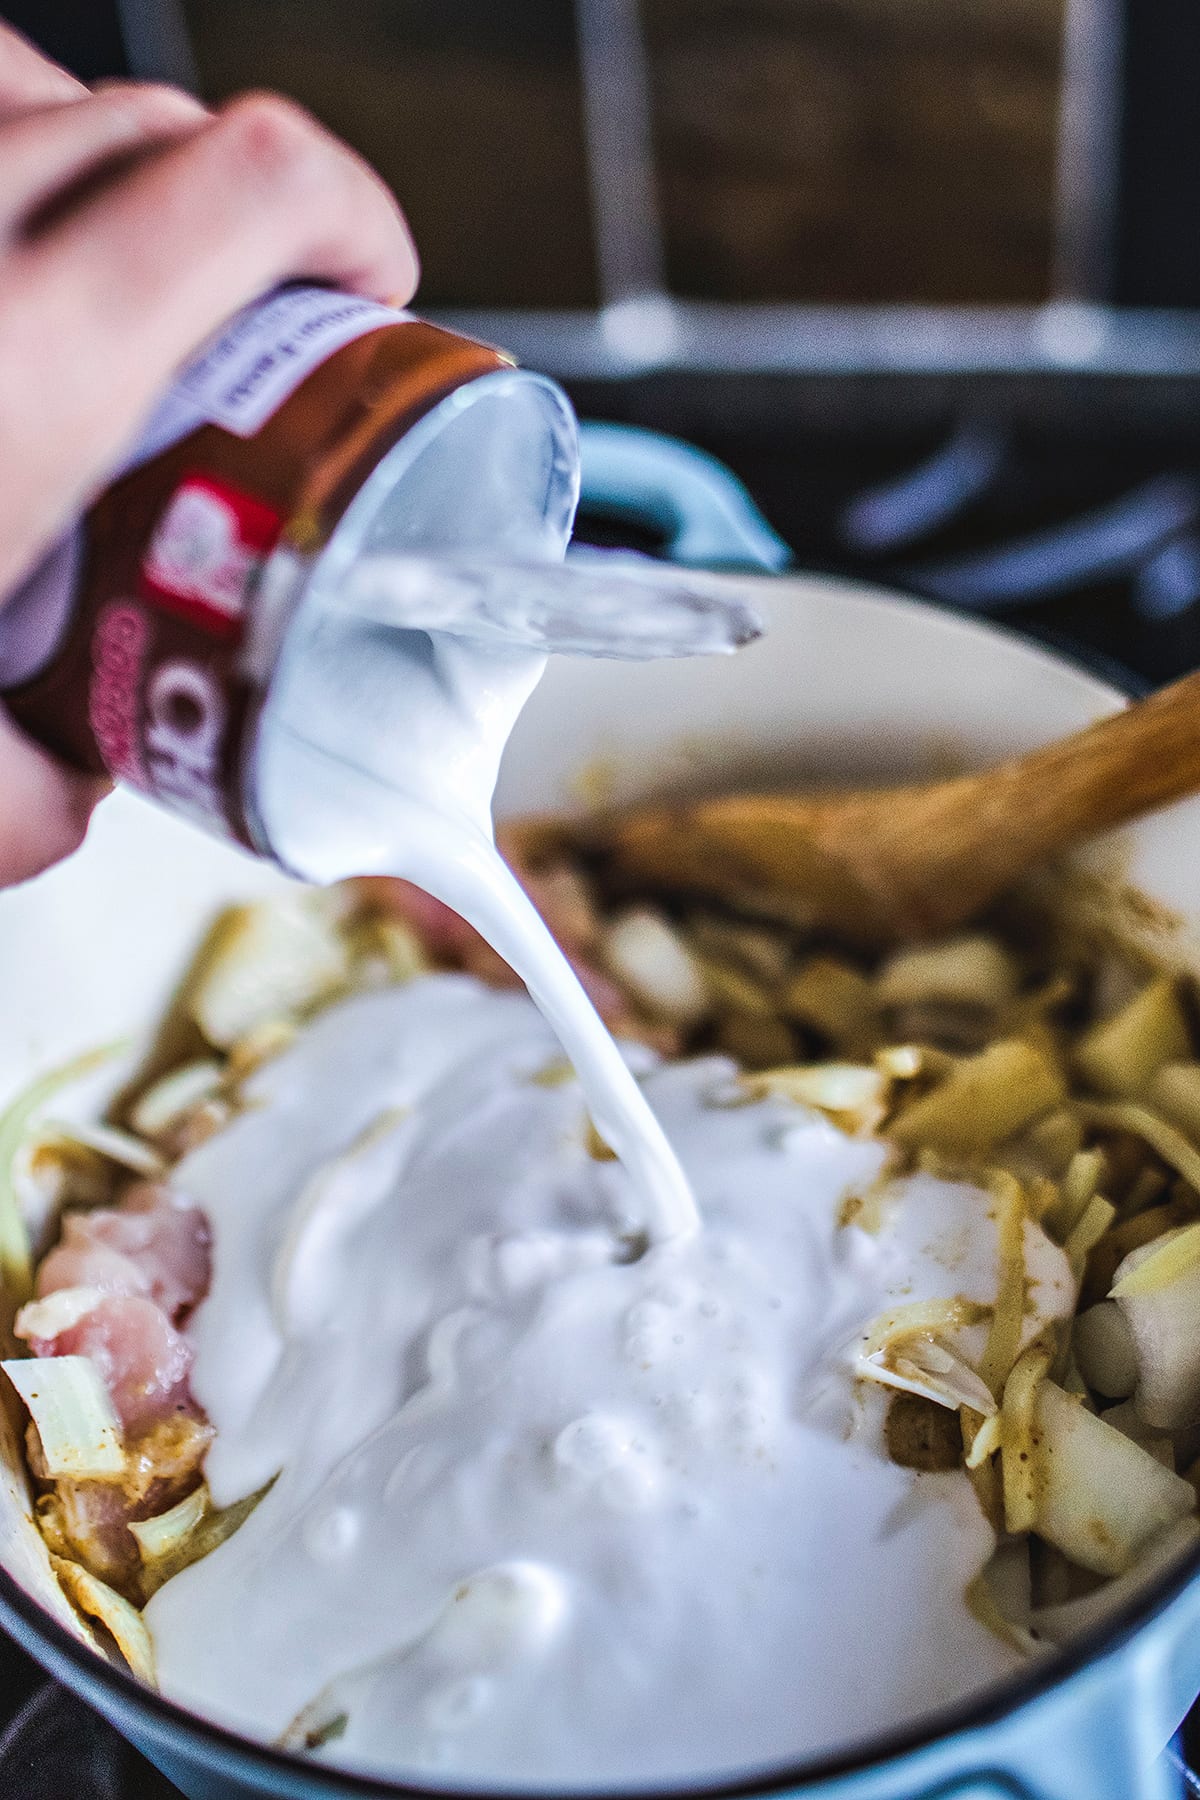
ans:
(159, 671)
(205, 552)
(258, 360)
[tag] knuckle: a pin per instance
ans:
(157, 100)
(148, 108)
(275, 140)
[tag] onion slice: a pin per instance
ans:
(76, 1422)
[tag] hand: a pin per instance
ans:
(133, 221)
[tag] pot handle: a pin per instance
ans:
(704, 512)
(1162, 1780)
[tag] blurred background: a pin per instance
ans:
(925, 273)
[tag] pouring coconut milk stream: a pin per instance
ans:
(421, 807)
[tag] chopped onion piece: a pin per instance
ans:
(926, 1367)
(1157, 1293)
(59, 1311)
(168, 1100)
(1055, 1141)
(1175, 1093)
(122, 1621)
(985, 1100)
(1100, 1496)
(919, 1319)
(1018, 1462)
(169, 1531)
(1163, 1139)
(274, 958)
(1073, 1619)
(1080, 1181)
(1127, 1419)
(121, 1147)
(964, 971)
(1158, 1265)
(170, 1543)
(986, 1441)
(16, 1266)
(1121, 1055)
(1000, 1596)
(649, 956)
(76, 1422)
(1105, 1350)
(1098, 1215)
(852, 1093)
(1008, 1316)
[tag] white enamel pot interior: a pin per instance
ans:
(849, 684)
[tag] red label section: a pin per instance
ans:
(208, 546)
(118, 661)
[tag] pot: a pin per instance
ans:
(850, 680)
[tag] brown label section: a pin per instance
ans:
(148, 682)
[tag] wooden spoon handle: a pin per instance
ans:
(1123, 766)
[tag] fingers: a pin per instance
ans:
(99, 310)
(54, 148)
(29, 79)
(44, 806)
(260, 194)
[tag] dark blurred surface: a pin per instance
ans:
(53, 1747)
(856, 150)
(470, 110)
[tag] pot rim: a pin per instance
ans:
(171, 1725)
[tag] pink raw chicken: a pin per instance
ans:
(148, 1246)
(142, 1359)
(150, 1257)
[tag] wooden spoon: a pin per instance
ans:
(896, 862)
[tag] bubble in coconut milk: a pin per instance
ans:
(331, 1534)
(592, 1445)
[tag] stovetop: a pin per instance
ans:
(53, 1747)
(1092, 545)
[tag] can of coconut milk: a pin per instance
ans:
(313, 428)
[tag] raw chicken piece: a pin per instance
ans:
(143, 1361)
(147, 1246)
(89, 1520)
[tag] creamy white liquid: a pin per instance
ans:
(382, 758)
(543, 1515)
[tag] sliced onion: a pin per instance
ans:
(1018, 1462)
(70, 1405)
(1100, 1496)
(1073, 1618)
(648, 956)
(1121, 1055)
(273, 959)
(168, 1532)
(1105, 1350)
(1127, 1419)
(122, 1621)
(1157, 1292)
(1175, 1093)
(170, 1099)
(120, 1147)
(971, 970)
(59, 1311)
(985, 1100)
(16, 1264)
(853, 1094)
